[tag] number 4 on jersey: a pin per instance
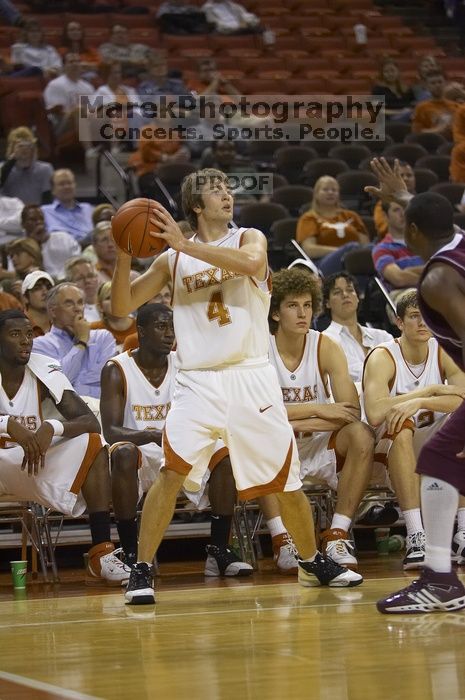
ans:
(217, 311)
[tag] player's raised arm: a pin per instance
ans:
(127, 296)
(391, 186)
(250, 259)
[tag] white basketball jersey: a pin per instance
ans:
(146, 406)
(25, 407)
(306, 384)
(220, 317)
(409, 378)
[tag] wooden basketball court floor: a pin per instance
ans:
(263, 637)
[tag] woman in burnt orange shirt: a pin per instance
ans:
(327, 231)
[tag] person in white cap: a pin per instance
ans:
(34, 289)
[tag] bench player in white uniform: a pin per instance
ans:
(406, 399)
(334, 445)
(225, 386)
(51, 451)
(137, 391)
(341, 300)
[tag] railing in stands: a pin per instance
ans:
(122, 174)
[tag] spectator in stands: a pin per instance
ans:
(175, 17)
(10, 216)
(82, 352)
(74, 475)
(420, 90)
(11, 285)
(434, 115)
(398, 96)
(341, 299)
(407, 174)
(152, 152)
(210, 81)
(103, 212)
(34, 289)
(132, 57)
(73, 41)
(229, 17)
(25, 256)
(120, 328)
(114, 90)
(161, 81)
(82, 273)
(8, 301)
(22, 175)
(455, 92)
(65, 213)
(56, 246)
(61, 98)
(397, 266)
(33, 51)
(104, 247)
(11, 14)
(327, 231)
(457, 156)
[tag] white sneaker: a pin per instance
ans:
(338, 547)
(103, 566)
(326, 572)
(458, 547)
(284, 554)
(415, 551)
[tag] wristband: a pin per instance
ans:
(57, 426)
(4, 425)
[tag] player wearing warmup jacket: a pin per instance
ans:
(51, 451)
(431, 234)
(225, 385)
(137, 391)
(334, 445)
(406, 398)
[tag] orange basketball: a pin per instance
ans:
(131, 228)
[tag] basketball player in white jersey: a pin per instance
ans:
(137, 390)
(225, 385)
(50, 448)
(334, 445)
(406, 399)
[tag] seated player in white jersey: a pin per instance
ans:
(225, 386)
(51, 451)
(341, 300)
(334, 445)
(407, 401)
(137, 391)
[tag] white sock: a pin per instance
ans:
(413, 521)
(276, 526)
(340, 522)
(439, 501)
(310, 559)
(461, 519)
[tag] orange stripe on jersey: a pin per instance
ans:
(93, 448)
(217, 457)
(173, 280)
(275, 486)
(408, 424)
(172, 460)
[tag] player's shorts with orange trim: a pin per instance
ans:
(58, 485)
(151, 461)
(318, 457)
(243, 406)
(383, 441)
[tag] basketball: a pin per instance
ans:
(131, 226)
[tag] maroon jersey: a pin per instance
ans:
(452, 254)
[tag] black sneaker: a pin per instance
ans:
(139, 590)
(325, 572)
(224, 562)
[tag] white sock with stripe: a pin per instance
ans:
(439, 501)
